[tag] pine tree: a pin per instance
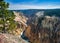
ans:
(1, 0)
(6, 17)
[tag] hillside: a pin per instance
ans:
(32, 12)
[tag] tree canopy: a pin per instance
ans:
(6, 17)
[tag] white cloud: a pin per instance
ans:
(26, 6)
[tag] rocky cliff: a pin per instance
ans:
(46, 30)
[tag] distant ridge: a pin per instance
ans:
(31, 12)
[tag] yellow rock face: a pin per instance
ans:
(17, 32)
(21, 20)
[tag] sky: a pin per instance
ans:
(33, 4)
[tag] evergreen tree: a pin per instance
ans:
(6, 17)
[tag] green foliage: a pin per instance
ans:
(6, 18)
(1, 0)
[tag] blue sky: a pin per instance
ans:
(33, 4)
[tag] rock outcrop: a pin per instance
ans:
(8, 38)
(21, 21)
